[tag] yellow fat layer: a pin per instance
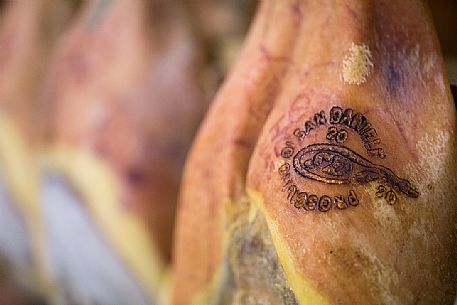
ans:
(304, 290)
(206, 295)
(21, 175)
(17, 161)
(99, 187)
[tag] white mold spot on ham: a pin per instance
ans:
(357, 65)
(435, 150)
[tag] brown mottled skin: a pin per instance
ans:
(124, 85)
(288, 70)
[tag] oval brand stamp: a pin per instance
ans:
(335, 163)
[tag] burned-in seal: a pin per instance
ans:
(335, 163)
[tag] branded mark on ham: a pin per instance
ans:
(334, 163)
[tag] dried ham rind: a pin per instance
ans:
(366, 217)
(123, 99)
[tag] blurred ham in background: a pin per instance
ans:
(99, 103)
(124, 99)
